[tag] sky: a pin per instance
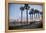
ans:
(15, 12)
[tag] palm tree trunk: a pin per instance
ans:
(30, 18)
(38, 15)
(21, 16)
(27, 16)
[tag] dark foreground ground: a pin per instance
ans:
(32, 25)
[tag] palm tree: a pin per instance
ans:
(22, 9)
(36, 12)
(27, 8)
(41, 13)
(31, 12)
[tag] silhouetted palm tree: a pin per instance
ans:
(41, 14)
(31, 12)
(22, 9)
(27, 8)
(36, 12)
